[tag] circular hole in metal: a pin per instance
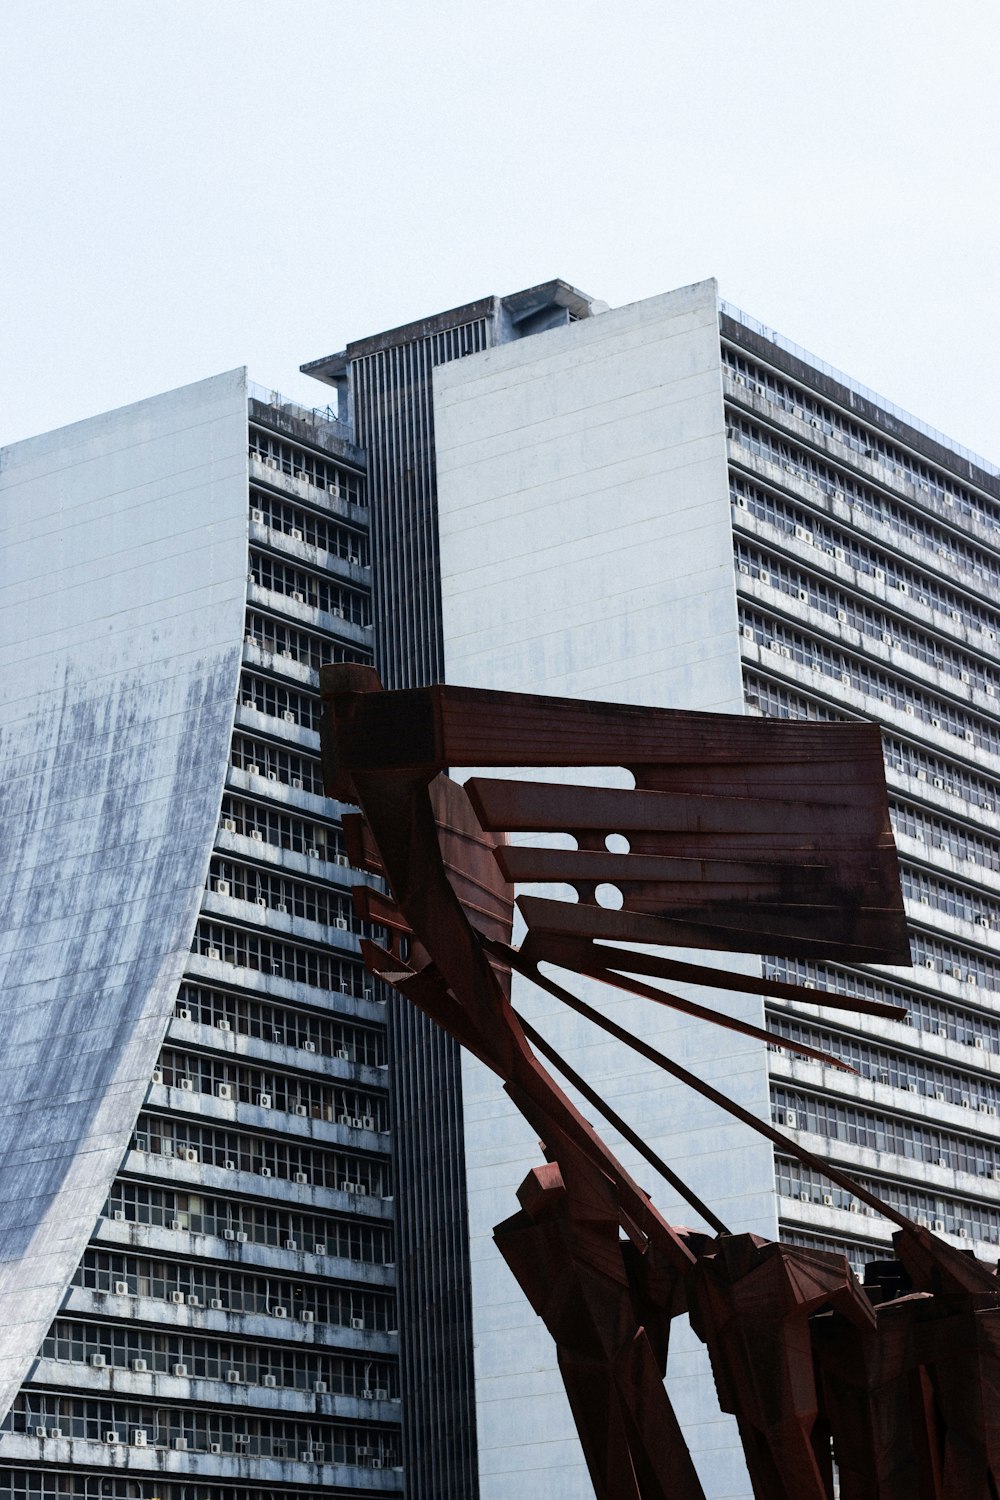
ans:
(617, 843)
(610, 897)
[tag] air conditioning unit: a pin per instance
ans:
(279, 1312)
(805, 1198)
(217, 1304)
(189, 1154)
(194, 1300)
(256, 515)
(302, 1178)
(241, 1237)
(342, 924)
(368, 1122)
(307, 1315)
(301, 1110)
(827, 1200)
(269, 1381)
(309, 1046)
(343, 1054)
(296, 596)
(342, 859)
(257, 833)
(233, 1377)
(288, 716)
(186, 1084)
(295, 534)
(252, 769)
(222, 887)
(119, 1215)
(97, 1361)
(180, 1371)
(313, 853)
(157, 1076)
(228, 1234)
(121, 1288)
(215, 1447)
(177, 1297)
(291, 1244)
(139, 1366)
(139, 1439)
(213, 953)
(265, 1171)
(111, 1438)
(261, 900)
(281, 907)
(319, 1247)
(180, 1445)
(381, 1394)
(357, 1323)
(306, 1456)
(229, 824)
(273, 775)
(222, 1024)
(367, 1396)
(939, 1225)
(939, 1095)
(791, 1119)
(264, 1100)
(320, 1387)
(297, 783)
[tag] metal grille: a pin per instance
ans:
(394, 421)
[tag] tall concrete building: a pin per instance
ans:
(195, 1179)
(663, 503)
(669, 504)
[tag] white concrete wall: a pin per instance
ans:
(586, 550)
(123, 560)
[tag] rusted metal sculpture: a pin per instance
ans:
(743, 835)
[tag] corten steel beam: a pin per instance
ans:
(747, 835)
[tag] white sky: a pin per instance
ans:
(188, 185)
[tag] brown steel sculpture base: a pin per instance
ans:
(743, 835)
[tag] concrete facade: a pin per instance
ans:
(199, 1278)
(121, 632)
(586, 551)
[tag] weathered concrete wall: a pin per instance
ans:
(586, 550)
(122, 585)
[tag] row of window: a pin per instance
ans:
(271, 825)
(245, 1015)
(282, 893)
(300, 1095)
(951, 838)
(268, 696)
(303, 646)
(857, 1126)
(292, 768)
(215, 1286)
(303, 525)
(301, 463)
(888, 630)
(76, 1484)
(233, 1219)
(843, 545)
(314, 967)
(852, 671)
(901, 1070)
(161, 1351)
(982, 568)
(304, 587)
(957, 901)
(779, 701)
(862, 440)
(969, 1220)
(973, 1028)
(266, 1156)
(858, 1253)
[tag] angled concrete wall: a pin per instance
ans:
(586, 550)
(122, 584)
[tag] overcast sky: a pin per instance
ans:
(188, 185)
